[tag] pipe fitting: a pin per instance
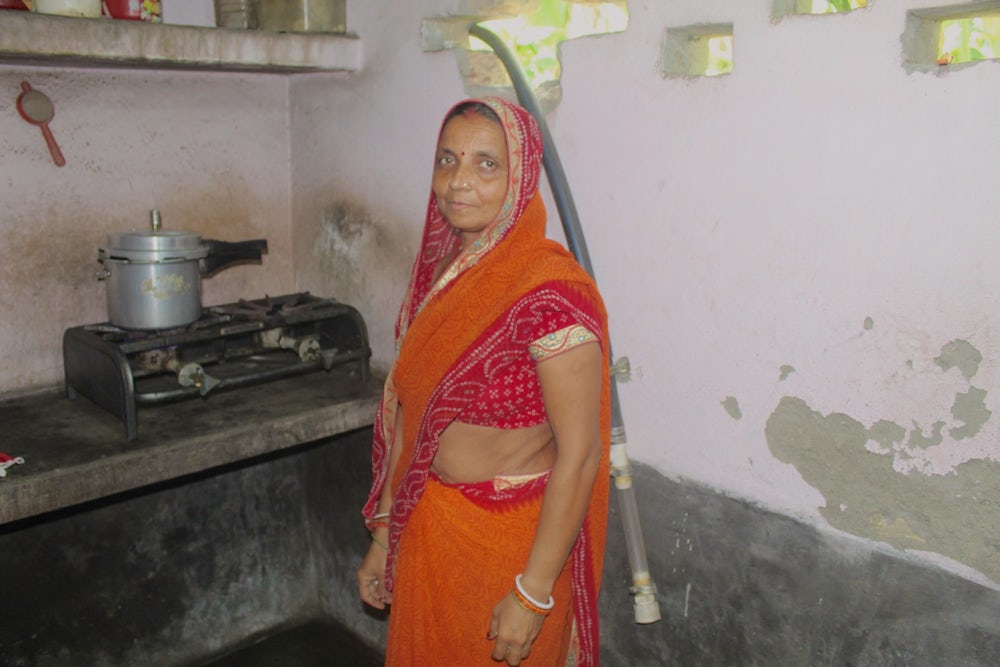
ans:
(644, 604)
(621, 370)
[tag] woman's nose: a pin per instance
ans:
(461, 178)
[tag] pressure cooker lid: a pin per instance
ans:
(155, 245)
(159, 241)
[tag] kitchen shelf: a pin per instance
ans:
(28, 38)
(74, 452)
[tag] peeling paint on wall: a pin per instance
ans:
(887, 482)
(732, 407)
(969, 408)
(786, 370)
(961, 355)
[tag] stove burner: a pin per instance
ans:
(267, 307)
(232, 345)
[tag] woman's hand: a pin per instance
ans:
(514, 628)
(371, 588)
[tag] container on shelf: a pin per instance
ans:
(87, 8)
(303, 15)
(239, 14)
(134, 10)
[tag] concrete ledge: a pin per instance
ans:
(39, 39)
(76, 452)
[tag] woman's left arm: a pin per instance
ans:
(571, 388)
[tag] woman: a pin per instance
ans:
(490, 459)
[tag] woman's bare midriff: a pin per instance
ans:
(468, 453)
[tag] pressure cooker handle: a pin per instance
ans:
(222, 254)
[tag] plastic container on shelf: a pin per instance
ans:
(303, 15)
(87, 8)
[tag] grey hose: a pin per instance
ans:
(646, 607)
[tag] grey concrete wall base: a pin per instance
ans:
(171, 574)
(338, 488)
(742, 586)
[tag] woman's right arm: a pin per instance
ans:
(371, 586)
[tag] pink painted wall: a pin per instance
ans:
(792, 255)
(209, 151)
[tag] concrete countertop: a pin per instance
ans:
(76, 452)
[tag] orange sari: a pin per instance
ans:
(454, 550)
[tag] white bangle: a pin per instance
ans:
(383, 515)
(547, 606)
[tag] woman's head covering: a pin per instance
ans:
(524, 158)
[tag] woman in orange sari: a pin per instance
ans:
(488, 506)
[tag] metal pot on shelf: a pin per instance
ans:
(154, 278)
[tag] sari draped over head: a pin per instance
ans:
(451, 331)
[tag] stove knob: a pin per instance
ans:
(193, 375)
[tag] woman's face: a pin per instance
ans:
(470, 174)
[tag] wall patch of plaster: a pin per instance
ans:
(732, 406)
(897, 530)
(885, 436)
(866, 496)
(869, 324)
(938, 438)
(971, 409)
(961, 355)
(786, 370)
(918, 440)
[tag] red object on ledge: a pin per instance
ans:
(134, 10)
(13, 4)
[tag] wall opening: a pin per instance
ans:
(830, 6)
(698, 50)
(969, 39)
(955, 36)
(535, 37)
(786, 7)
(533, 29)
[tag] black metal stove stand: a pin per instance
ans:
(231, 346)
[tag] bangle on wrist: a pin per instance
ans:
(530, 603)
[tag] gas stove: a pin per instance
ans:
(230, 346)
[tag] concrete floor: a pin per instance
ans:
(317, 643)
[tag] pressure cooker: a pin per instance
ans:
(153, 278)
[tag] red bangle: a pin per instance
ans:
(530, 603)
